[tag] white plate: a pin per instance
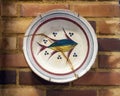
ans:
(60, 46)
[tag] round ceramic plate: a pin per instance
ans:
(60, 46)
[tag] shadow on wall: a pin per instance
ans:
(5, 40)
(3, 43)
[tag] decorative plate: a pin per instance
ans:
(60, 46)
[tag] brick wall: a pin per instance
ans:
(16, 78)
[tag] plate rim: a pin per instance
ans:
(93, 37)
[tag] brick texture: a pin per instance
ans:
(110, 92)
(93, 24)
(34, 9)
(7, 77)
(8, 43)
(19, 25)
(99, 78)
(109, 44)
(89, 10)
(32, 79)
(71, 93)
(109, 27)
(97, 10)
(12, 60)
(16, 77)
(0, 7)
(1, 27)
(21, 91)
(20, 42)
(8, 9)
(109, 61)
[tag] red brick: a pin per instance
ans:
(16, 25)
(109, 61)
(93, 24)
(68, 0)
(34, 9)
(30, 0)
(106, 0)
(109, 27)
(9, 9)
(30, 78)
(71, 93)
(0, 42)
(0, 7)
(99, 78)
(13, 60)
(110, 92)
(109, 44)
(95, 64)
(1, 26)
(7, 77)
(21, 91)
(8, 43)
(96, 10)
(20, 42)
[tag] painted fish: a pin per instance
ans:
(63, 45)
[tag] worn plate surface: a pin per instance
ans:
(60, 46)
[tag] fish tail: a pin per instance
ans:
(42, 47)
